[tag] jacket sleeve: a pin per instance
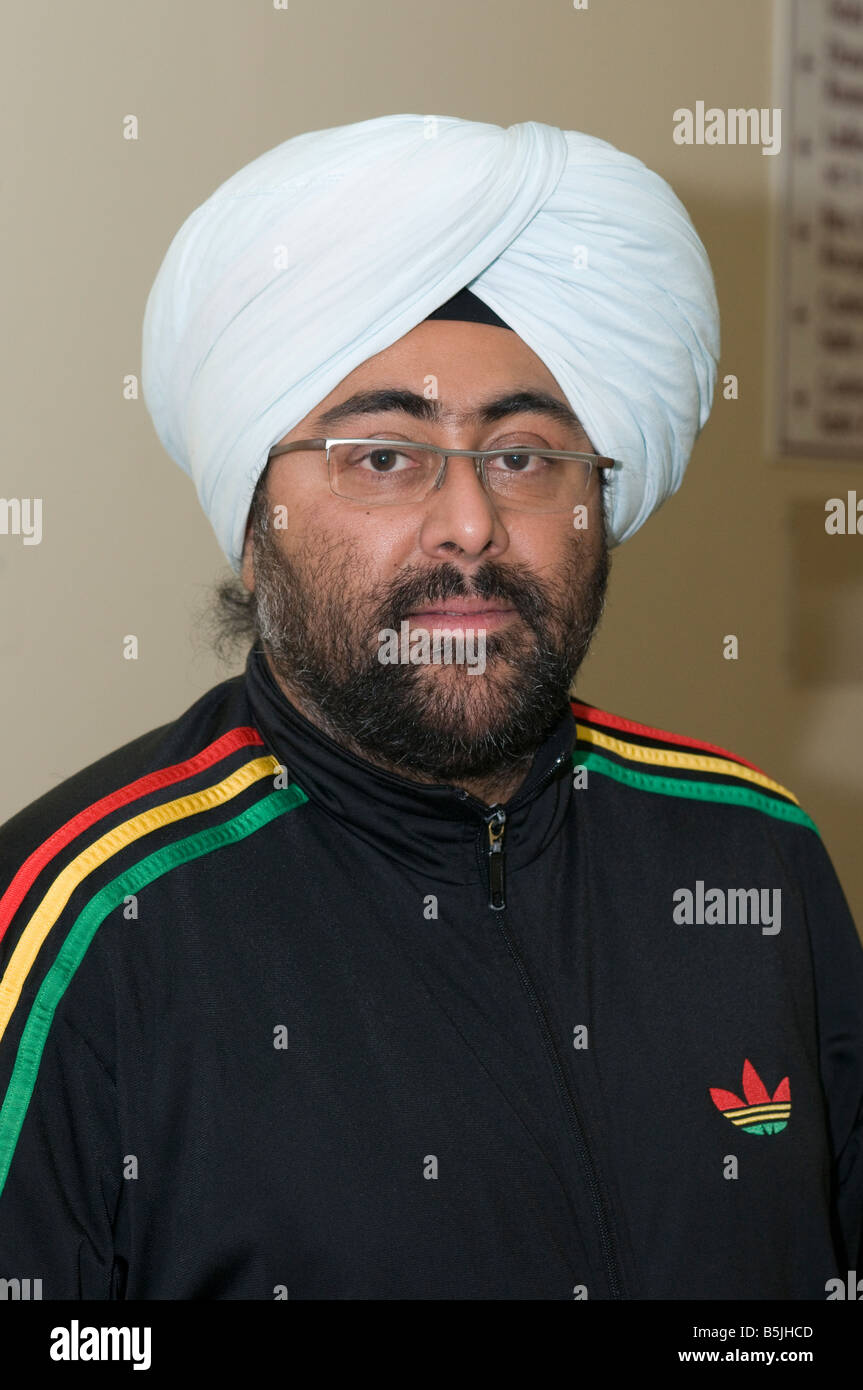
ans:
(837, 956)
(60, 1161)
(61, 1186)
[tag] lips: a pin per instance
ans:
(462, 608)
(464, 615)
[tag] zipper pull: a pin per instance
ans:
(496, 825)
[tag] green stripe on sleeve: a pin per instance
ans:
(81, 933)
(698, 791)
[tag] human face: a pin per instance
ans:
(340, 572)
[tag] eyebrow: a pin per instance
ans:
(391, 399)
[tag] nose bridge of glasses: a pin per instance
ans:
(475, 457)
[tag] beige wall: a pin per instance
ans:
(87, 217)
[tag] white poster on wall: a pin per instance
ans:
(820, 215)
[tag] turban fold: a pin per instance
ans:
(330, 247)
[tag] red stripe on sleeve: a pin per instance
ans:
(614, 721)
(153, 781)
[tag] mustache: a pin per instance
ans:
(513, 586)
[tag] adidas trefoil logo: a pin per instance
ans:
(759, 1113)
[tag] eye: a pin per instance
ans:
(382, 461)
(519, 461)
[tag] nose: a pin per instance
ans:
(461, 515)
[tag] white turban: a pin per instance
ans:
(330, 247)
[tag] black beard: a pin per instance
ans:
(323, 645)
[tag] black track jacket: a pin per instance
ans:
(274, 1023)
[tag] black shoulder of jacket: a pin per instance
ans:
(668, 765)
(208, 742)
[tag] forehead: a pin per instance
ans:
(458, 364)
(458, 353)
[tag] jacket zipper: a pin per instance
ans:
(496, 826)
(496, 823)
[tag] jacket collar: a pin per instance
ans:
(435, 829)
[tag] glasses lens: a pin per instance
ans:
(377, 473)
(535, 483)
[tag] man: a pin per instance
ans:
(390, 970)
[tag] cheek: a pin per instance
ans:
(382, 543)
(545, 542)
(366, 545)
(311, 527)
